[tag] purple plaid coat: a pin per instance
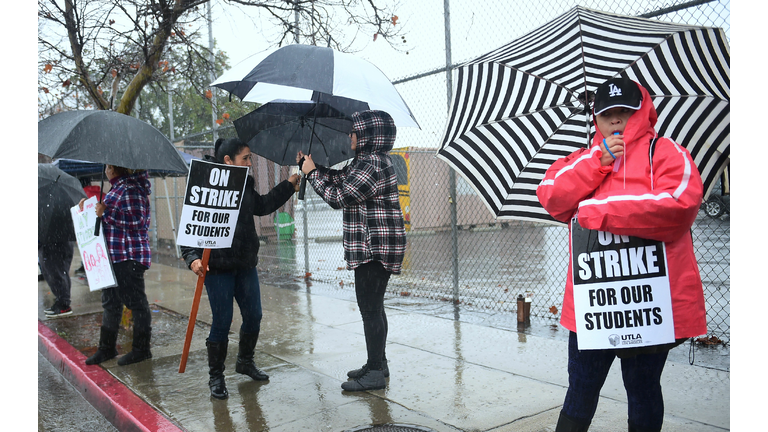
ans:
(126, 219)
(366, 190)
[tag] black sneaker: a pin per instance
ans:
(50, 310)
(357, 373)
(59, 311)
(372, 380)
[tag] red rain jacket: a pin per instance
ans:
(659, 203)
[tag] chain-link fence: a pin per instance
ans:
(471, 258)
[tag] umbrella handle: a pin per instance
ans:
(302, 187)
(98, 225)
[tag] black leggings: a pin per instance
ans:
(370, 285)
(129, 292)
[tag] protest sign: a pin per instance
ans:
(621, 290)
(211, 204)
(93, 249)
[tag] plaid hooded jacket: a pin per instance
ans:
(366, 190)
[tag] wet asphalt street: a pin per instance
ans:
(61, 407)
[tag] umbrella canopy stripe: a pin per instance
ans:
(512, 208)
(530, 99)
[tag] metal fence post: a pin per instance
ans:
(452, 175)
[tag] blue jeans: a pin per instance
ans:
(243, 287)
(587, 371)
(370, 286)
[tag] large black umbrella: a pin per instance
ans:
(108, 137)
(524, 105)
(278, 130)
(308, 72)
(57, 192)
(323, 75)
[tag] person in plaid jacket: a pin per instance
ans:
(124, 212)
(374, 232)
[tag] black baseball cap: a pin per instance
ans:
(617, 92)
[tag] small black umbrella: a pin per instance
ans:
(279, 129)
(57, 192)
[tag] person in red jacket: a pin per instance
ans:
(630, 201)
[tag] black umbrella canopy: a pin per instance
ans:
(57, 192)
(526, 104)
(108, 137)
(280, 129)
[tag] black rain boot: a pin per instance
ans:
(245, 364)
(217, 353)
(107, 347)
(140, 350)
(569, 424)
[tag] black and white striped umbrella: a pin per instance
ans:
(324, 75)
(524, 105)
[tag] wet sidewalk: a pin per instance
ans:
(474, 373)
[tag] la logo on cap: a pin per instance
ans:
(613, 90)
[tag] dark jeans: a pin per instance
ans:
(242, 286)
(370, 285)
(587, 371)
(129, 292)
(55, 260)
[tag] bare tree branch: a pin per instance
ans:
(112, 49)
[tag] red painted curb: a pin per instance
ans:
(123, 408)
